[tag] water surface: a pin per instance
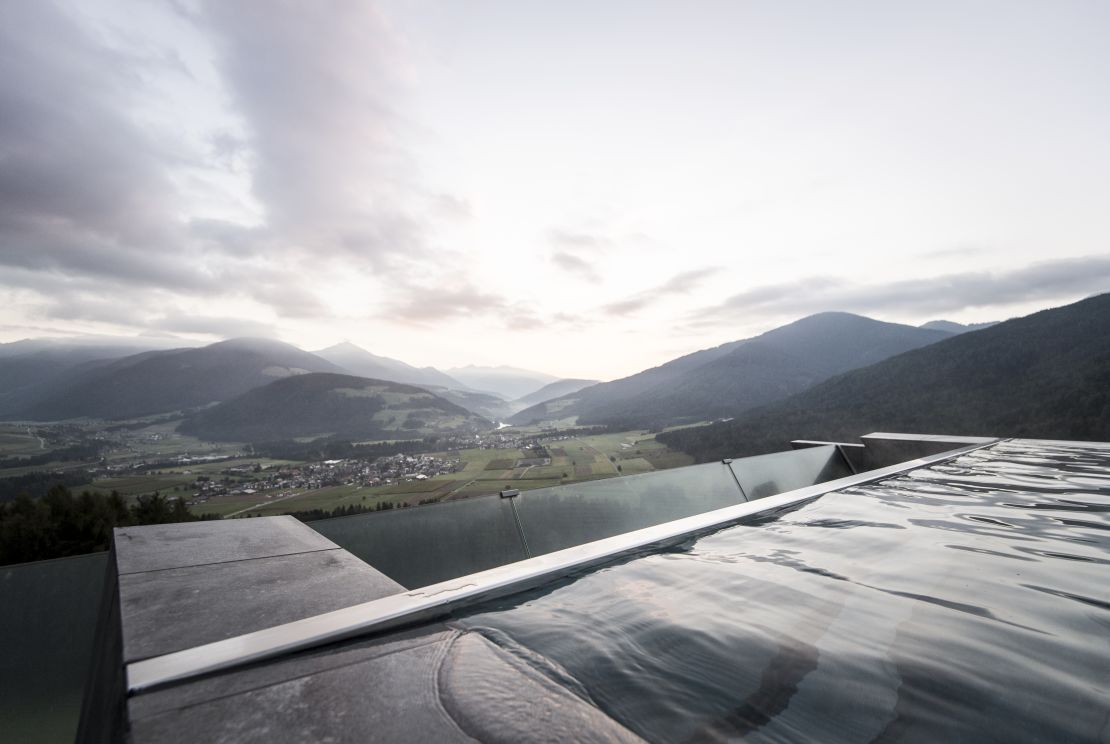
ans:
(969, 601)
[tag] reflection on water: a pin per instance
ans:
(969, 601)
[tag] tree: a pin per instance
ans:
(59, 524)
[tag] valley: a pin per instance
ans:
(250, 427)
(139, 458)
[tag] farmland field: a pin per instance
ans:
(557, 459)
(20, 441)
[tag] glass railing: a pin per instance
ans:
(48, 618)
(767, 475)
(565, 516)
(423, 545)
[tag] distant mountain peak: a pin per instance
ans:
(351, 349)
(344, 345)
(840, 317)
(252, 342)
(504, 380)
(359, 361)
(553, 390)
(832, 314)
(953, 327)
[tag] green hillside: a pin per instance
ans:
(320, 404)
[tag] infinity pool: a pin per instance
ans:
(967, 601)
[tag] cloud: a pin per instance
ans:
(451, 207)
(420, 305)
(83, 189)
(84, 307)
(94, 192)
(676, 285)
(316, 85)
(226, 148)
(963, 251)
(629, 306)
(575, 265)
(522, 320)
(1047, 280)
(289, 300)
(430, 308)
(578, 240)
(574, 251)
(682, 283)
(213, 326)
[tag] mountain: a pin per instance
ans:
(92, 346)
(30, 368)
(951, 327)
(1044, 375)
(163, 381)
(364, 364)
(358, 361)
(736, 376)
(617, 391)
(322, 404)
(553, 390)
(486, 405)
(508, 382)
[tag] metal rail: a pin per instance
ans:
(437, 600)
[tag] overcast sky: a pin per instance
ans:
(585, 188)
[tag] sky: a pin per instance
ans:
(583, 188)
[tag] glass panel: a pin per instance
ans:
(422, 545)
(767, 475)
(564, 516)
(48, 614)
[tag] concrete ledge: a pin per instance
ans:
(160, 546)
(184, 585)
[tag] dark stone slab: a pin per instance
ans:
(172, 609)
(438, 685)
(390, 697)
(160, 546)
(203, 690)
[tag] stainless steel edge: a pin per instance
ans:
(847, 460)
(439, 599)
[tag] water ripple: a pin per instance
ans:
(968, 601)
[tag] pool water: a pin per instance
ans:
(967, 601)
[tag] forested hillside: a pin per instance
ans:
(314, 405)
(1044, 375)
(734, 377)
(162, 381)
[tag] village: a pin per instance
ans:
(248, 479)
(141, 460)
